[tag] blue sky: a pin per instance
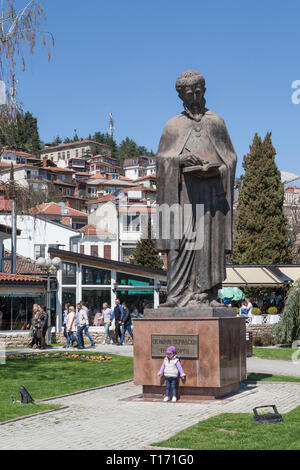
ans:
(123, 56)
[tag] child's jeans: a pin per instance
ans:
(171, 382)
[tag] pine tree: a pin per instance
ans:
(261, 236)
(288, 328)
(19, 133)
(145, 253)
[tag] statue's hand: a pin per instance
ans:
(189, 159)
(222, 170)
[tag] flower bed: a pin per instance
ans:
(57, 354)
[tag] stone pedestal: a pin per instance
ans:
(210, 341)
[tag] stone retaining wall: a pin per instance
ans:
(18, 340)
(262, 334)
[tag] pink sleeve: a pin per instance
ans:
(180, 369)
(161, 372)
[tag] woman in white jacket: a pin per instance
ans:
(106, 312)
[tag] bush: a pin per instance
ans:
(272, 310)
(266, 339)
(256, 311)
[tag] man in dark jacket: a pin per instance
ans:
(43, 326)
(117, 315)
(126, 323)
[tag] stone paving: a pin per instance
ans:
(102, 419)
(106, 420)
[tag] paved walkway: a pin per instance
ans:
(124, 350)
(110, 419)
(254, 364)
(102, 419)
(274, 366)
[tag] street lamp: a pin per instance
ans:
(50, 266)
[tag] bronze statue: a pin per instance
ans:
(195, 168)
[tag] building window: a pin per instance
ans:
(59, 155)
(64, 155)
(94, 250)
(131, 223)
(77, 153)
(107, 252)
(68, 273)
(68, 154)
(82, 249)
(131, 280)
(74, 246)
(39, 251)
(93, 276)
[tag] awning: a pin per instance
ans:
(256, 276)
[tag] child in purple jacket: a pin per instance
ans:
(170, 368)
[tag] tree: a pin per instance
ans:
(19, 29)
(20, 132)
(145, 253)
(288, 328)
(25, 196)
(261, 235)
(107, 140)
(128, 149)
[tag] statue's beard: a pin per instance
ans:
(195, 110)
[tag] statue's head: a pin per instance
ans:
(190, 86)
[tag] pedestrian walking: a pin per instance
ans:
(86, 329)
(64, 322)
(81, 322)
(126, 323)
(106, 314)
(71, 327)
(34, 326)
(43, 326)
(170, 369)
(117, 315)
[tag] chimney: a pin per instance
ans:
(66, 220)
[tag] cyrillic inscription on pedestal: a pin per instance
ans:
(187, 346)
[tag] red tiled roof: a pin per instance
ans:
(153, 175)
(66, 170)
(23, 265)
(91, 229)
(51, 208)
(16, 152)
(141, 187)
(21, 278)
(5, 205)
(47, 149)
(106, 198)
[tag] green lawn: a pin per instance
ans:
(237, 432)
(275, 353)
(255, 377)
(47, 377)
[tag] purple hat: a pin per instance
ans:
(171, 350)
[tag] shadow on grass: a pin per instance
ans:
(256, 377)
